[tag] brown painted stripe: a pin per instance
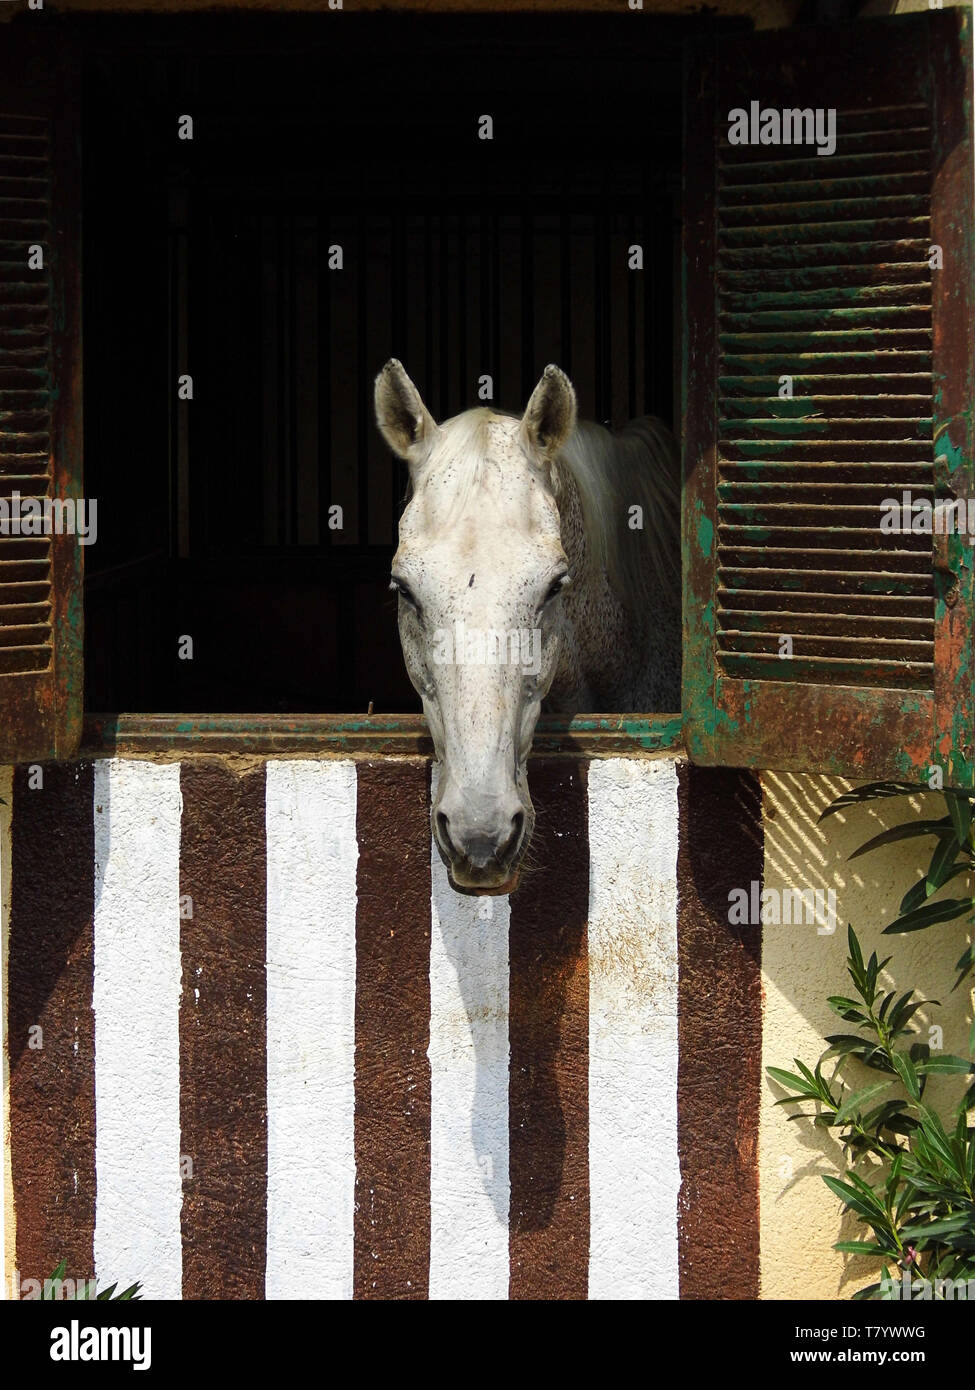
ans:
(720, 1035)
(392, 1032)
(549, 1038)
(52, 1087)
(222, 1033)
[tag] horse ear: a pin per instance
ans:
(404, 421)
(550, 416)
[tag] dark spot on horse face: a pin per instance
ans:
(470, 582)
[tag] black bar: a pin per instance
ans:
(527, 306)
(362, 371)
(606, 229)
(649, 298)
(444, 308)
(324, 383)
(291, 516)
(400, 266)
(198, 250)
(487, 364)
(598, 255)
(281, 389)
(497, 353)
(565, 278)
(463, 310)
(173, 240)
(428, 312)
(632, 239)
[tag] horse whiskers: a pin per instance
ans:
(530, 861)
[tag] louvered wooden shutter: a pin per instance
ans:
(817, 268)
(40, 390)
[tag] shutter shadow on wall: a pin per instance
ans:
(817, 268)
(40, 393)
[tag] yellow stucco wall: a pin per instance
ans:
(800, 1218)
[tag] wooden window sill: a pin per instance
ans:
(345, 735)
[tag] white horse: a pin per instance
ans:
(538, 559)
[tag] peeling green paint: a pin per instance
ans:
(266, 735)
(705, 534)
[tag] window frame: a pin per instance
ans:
(591, 735)
(847, 730)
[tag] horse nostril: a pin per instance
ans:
(443, 831)
(514, 839)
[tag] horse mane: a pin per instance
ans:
(612, 472)
(637, 466)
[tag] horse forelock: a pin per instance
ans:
(472, 449)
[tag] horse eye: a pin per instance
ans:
(556, 587)
(405, 593)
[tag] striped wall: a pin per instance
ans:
(279, 1057)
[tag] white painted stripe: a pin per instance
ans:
(634, 1172)
(312, 854)
(469, 1183)
(136, 994)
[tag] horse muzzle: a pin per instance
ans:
(482, 850)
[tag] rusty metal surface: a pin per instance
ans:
(953, 228)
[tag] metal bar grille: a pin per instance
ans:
(455, 297)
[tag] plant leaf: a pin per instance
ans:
(948, 1225)
(854, 1103)
(856, 955)
(930, 913)
(965, 964)
(789, 1078)
(909, 830)
(960, 810)
(942, 863)
(872, 791)
(945, 1064)
(906, 1072)
(868, 1206)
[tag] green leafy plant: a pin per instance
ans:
(53, 1284)
(911, 1176)
(953, 857)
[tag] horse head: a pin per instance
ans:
(480, 570)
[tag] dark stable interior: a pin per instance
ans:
(462, 257)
